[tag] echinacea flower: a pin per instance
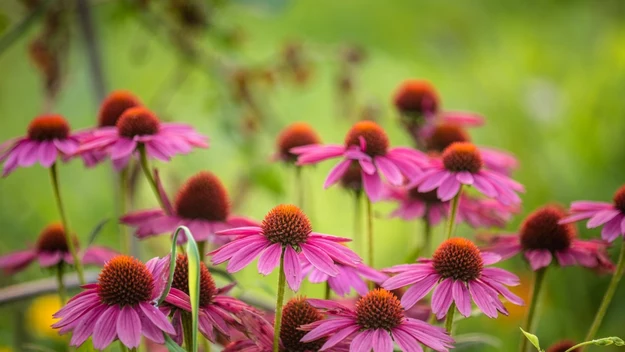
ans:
(609, 215)
(202, 205)
(119, 306)
(459, 274)
(285, 231)
(376, 323)
(47, 138)
(367, 143)
(348, 277)
(294, 135)
(138, 128)
(217, 312)
(462, 164)
(542, 236)
(563, 346)
(51, 250)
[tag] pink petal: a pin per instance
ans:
(538, 258)
(269, 259)
(292, 268)
(363, 342)
(448, 189)
(482, 299)
(28, 153)
(337, 172)
(14, 262)
(389, 170)
(245, 256)
(442, 298)
(319, 259)
(461, 296)
(122, 148)
(382, 341)
(373, 186)
(464, 177)
(47, 153)
(156, 317)
(418, 291)
(105, 329)
(602, 217)
(129, 327)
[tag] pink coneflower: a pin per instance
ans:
(51, 250)
(462, 164)
(217, 312)
(541, 237)
(610, 215)
(376, 323)
(48, 137)
(457, 270)
(202, 205)
(286, 231)
(120, 306)
(295, 135)
(139, 129)
(367, 143)
(348, 277)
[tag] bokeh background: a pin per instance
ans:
(549, 76)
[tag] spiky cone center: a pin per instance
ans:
(379, 309)
(48, 127)
(427, 197)
(352, 178)
(562, 346)
(125, 281)
(295, 135)
(286, 224)
(298, 312)
(137, 121)
(462, 156)
(374, 136)
(540, 230)
(416, 97)
(619, 199)
(459, 259)
(52, 239)
(114, 106)
(445, 135)
(203, 197)
(208, 289)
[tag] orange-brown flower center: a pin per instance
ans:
(445, 135)
(417, 97)
(563, 346)
(298, 312)
(52, 239)
(114, 106)
(541, 230)
(462, 156)
(379, 309)
(286, 224)
(208, 290)
(619, 199)
(48, 127)
(204, 197)
(374, 136)
(295, 135)
(458, 258)
(125, 281)
(137, 121)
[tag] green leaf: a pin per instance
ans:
(606, 341)
(532, 338)
(96, 231)
(172, 268)
(193, 255)
(171, 345)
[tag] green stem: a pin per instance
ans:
(425, 247)
(328, 292)
(539, 278)
(124, 238)
(187, 330)
(358, 223)
(449, 320)
(451, 222)
(299, 185)
(148, 175)
(59, 278)
(609, 294)
(279, 302)
(68, 236)
(370, 231)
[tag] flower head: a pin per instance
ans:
(444, 135)
(51, 250)
(417, 98)
(295, 135)
(458, 270)
(609, 215)
(47, 138)
(543, 235)
(285, 233)
(377, 322)
(119, 305)
(114, 106)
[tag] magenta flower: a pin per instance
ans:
(51, 250)
(367, 143)
(202, 205)
(376, 323)
(285, 231)
(542, 236)
(462, 164)
(348, 277)
(609, 215)
(457, 270)
(48, 137)
(138, 127)
(120, 306)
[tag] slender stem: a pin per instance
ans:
(539, 278)
(420, 249)
(279, 302)
(370, 231)
(70, 242)
(148, 175)
(358, 222)
(451, 222)
(187, 330)
(449, 320)
(59, 278)
(328, 292)
(609, 294)
(124, 238)
(299, 185)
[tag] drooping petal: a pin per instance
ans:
(292, 268)
(461, 297)
(105, 329)
(389, 170)
(382, 341)
(129, 327)
(245, 256)
(373, 186)
(442, 298)
(363, 342)
(269, 259)
(336, 173)
(538, 258)
(418, 291)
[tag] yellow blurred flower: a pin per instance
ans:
(5, 349)
(39, 316)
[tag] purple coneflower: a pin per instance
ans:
(348, 277)
(376, 323)
(48, 137)
(119, 306)
(457, 270)
(139, 129)
(202, 205)
(295, 135)
(51, 250)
